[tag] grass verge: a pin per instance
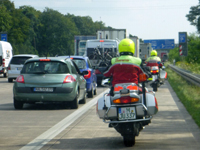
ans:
(189, 94)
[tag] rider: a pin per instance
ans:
(125, 68)
(154, 60)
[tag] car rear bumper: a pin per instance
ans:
(59, 95)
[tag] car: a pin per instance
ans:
(52, 79)
(84, 64)
(16, 64)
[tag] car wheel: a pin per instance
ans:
(10, 80)
(74, 103)
(5, 75)
(90, 93)
(95, 91)
(18, 104)
(83, 101)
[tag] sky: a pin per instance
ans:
(146, 19)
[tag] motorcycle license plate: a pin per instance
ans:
(125, 113)
(154, 77)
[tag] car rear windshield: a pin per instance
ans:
(80, 63)
(19, 60)
(48, 67)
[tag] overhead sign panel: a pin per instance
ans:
(161, 44)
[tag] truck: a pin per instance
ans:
(112, 34)
(80, 43)
(145, 50)
(5, 56)
(163, 54)
(136, 40)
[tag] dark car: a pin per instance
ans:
(52, 79)
(84, 64)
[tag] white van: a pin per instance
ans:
(103, 45)
(5, 56)
(16, 64)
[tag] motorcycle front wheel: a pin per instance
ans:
(129, 140)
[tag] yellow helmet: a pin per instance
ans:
(126, 45)
(153, 53)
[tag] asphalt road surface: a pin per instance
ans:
(51, 127)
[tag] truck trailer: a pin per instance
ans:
(145, 50)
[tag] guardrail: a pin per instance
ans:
(195, 79)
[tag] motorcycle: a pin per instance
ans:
(130, 109)
(158, 75)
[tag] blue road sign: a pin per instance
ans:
(3, 37)
(182, 37)
(161, 44)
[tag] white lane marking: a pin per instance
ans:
(44, 138)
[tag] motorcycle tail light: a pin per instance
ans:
(126, 100)
(154, 71)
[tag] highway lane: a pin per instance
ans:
(171, 128)
(19, 127)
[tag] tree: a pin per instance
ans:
(5, 19)
(194, 16)
(56, 34)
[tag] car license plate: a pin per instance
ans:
(42, 89)
(155, 77)
(125, 113)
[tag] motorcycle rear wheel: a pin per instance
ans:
(129, 140)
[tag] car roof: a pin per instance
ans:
(26, 55)
(75, 56)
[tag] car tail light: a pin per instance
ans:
(3, 62)
(125, 100)
(45, 59)
(97, 71)
(69, 79)
(9, 67)
(87, 76)
(20, 79)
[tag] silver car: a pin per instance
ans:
(16, 64)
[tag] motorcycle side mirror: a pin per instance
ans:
(143, 77)
(106, 82)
